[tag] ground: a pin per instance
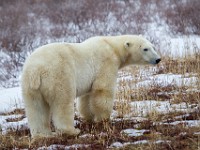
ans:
(155, 108)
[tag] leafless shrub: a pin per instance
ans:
(182, 16)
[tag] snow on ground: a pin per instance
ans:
(134, 132)
(197, 133)
(161, 79)
(5, 125)
(188, 123)
(10, 99)
(119, 144)
(57, 146)
(143, 108)
(169, 79)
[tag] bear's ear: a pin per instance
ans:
(127, 44)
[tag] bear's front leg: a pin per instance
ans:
(101, 101)
(102, 94)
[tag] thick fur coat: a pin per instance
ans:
(55, 74)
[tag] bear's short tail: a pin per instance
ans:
(34, 79)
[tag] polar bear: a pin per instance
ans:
(56, 74)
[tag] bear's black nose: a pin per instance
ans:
(158, 60)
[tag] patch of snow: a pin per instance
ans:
(168, 79)
(134, 132)
(182, 116)
(136, 142)
(58, 146)
(183, 133)
(10, 99)
(52, 147)
(13, 125)
(120, 145)
(141, 142)
(127, 118)
(188, 123)
(114, 114)
(103, 134)
(116, 145)
(4, 117)
(125, 78)
(196, 133)
(143, 108)
(86, 136)
(76, 146)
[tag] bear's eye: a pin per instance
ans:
(145, 49)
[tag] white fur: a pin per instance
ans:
(55, 74)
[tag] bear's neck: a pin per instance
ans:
(118, 50)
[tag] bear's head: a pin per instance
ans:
(140, 51)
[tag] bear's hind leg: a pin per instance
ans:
(37, 111)
(63, 114)
(83, 106)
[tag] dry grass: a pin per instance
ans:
(159, 127)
